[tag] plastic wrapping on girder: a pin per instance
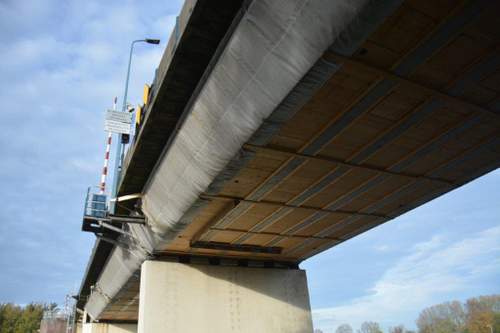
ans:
(273, 47)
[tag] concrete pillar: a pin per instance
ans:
(109, 328)
(181, 298)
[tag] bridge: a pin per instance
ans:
(275, 130)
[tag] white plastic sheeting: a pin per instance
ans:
(274, 45)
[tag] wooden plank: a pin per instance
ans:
(337, 162)
(270, 204)
(452, 100)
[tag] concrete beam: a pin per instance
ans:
(202, 298)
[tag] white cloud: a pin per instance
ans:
(382, 248)
(433, 270)
(62, 66)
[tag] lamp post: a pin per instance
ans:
(119, 144)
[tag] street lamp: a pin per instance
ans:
(120, 145)
(152, 41)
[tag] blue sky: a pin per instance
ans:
(62, 64)
(448, 249)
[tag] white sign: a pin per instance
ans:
(117, 122)
(116, 127)
(123, 117)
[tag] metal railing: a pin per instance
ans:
(96, 204)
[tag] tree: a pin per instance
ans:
(344, 328)
(30, 318)
(447, 317)
(496, 322)
(397, 329)
(370, 327)
(10, 315)
(400, 329)
(16, 319)
(482, 312)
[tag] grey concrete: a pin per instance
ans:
(202, 298)
(108, 328)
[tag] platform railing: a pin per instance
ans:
(96, 204)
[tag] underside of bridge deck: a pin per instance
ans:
(369, 133)
(412, 114)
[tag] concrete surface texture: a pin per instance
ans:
(53, 325)
(109, 328)
(202, 298)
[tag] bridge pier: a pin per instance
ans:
(177, 297)
(107, 328)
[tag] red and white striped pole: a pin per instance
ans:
(106, 158)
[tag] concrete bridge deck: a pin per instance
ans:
(400, 108)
